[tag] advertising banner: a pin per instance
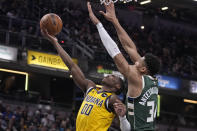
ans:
(168, 82)
(8, 53)
(47, 60)
(193, 86)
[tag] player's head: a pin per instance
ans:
(115, 83)
(149, 64)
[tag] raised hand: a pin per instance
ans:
(51, 38)
(110, 14)
(93, 18)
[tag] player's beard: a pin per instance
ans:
(104, 83)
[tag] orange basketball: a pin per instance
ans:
(52, 23)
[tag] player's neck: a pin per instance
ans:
(105, 88)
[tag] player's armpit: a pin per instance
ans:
(135, 82)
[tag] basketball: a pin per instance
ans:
(52, 23)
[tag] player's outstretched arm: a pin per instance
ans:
(76, 72)
(124, 38)
(93, 18)
(110, 45)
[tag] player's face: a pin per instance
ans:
(111, 81)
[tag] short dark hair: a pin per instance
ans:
(122, 86)
(152, 64)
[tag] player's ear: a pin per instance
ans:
(143, 69)
(118, 89)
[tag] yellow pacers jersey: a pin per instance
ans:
(93, 114)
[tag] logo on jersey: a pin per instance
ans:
(94, 100)
(104, 95)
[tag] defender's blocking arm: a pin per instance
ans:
(110, 45)
(124, 38)
(76, 72)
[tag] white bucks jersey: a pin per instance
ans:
(141, 111)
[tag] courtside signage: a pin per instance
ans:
(8, 53)
(47, 60)
(193, 87)
(168, 82)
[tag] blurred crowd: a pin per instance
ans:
(39, 117)
(176, 47)
(27, 118)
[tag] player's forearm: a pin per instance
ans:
(75, 70)
(63, 54)
(123, 36)
(78, 76)
(113, 50)
(124, 124)
(107, 41)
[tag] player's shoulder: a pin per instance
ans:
(90, 84)
(148, 78)
(114, 98)
(95, 89)
(91, 89)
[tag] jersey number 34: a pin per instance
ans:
(152, 111)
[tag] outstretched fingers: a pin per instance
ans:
(89, 7)
(111, 4)
(44, 32)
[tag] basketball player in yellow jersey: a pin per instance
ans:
(94, 115)
(96, 112)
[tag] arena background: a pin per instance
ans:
(36, 90)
